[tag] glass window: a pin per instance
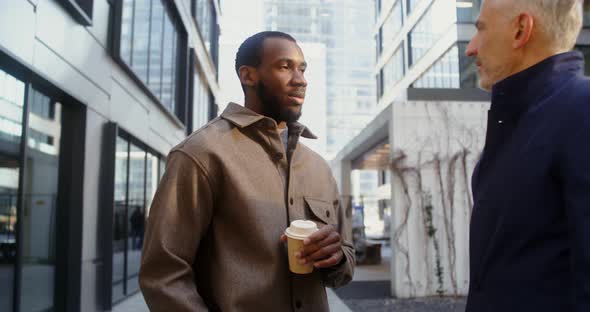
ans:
(162, 167)
(41, 105)
(412, 5)
(391, 27)
(377, 9)
(136, 214)
(12, 97)
(81, 10)
(40, 204)
(168, 67)
(119, 217)
(430, 28)
(149, 46)
(201, 103)
(393, 71)
(156, 48)
(386, 4)
(141, 36)
(136, 180)
(453, 70)
(468, 10)
(206, 21)
(151, 182)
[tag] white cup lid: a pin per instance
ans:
(300, 229)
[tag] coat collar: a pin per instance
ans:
(243, 117)
(512, 96)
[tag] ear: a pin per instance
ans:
(524, 29)
(248, 76)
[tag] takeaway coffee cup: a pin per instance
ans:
(296, 233)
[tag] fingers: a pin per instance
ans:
(332, 238)
(284, 238)
(319, 235)
(323, 253)
(331, 261)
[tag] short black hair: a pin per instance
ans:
(250, 51)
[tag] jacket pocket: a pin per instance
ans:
(320, 210)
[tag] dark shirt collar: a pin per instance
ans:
(512, 96)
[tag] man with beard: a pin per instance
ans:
(214, 238)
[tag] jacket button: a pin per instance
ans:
(328, 213)
(298, 304)
(278, 156)
(291, 201)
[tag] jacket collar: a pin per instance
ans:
(243, 117)
(512, 96)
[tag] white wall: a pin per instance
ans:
(430, 140)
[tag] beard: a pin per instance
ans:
(271, 106)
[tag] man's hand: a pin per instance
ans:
(323, 248)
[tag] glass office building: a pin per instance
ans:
(93, 95)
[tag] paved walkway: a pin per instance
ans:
(370, 292)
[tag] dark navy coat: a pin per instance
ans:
(530, 228)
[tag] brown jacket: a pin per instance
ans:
(213, 235)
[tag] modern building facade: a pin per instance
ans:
(93, 95)
(351, 59)
(426, 139)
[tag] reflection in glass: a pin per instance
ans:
(148, 46)
(431, 27)
(412, 5)
(205, 15)
(393, 71)
(201, 102)
(169, 64)
(392, 26)
(120, 219)
(40, 206)
(452, 71)
(156, 40)
(136, 215)
(12, 94)
(162, 167)
(141, 35)
(151, 183)
(126, 27)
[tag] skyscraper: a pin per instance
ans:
(345, 28)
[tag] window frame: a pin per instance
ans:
(113, 132)
(69, 217)
(213, 50)
(82, 13)
(179, 115)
